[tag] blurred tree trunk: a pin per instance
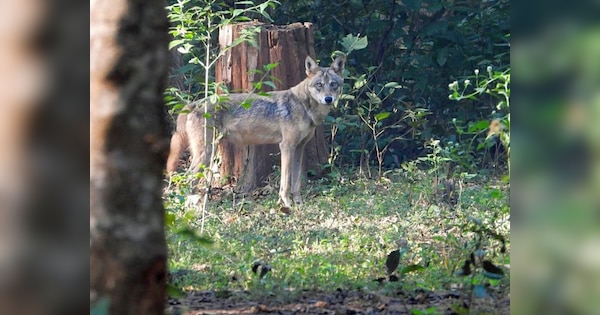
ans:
(43, 180)
(288, 46)
(128, 146)
(22, 83)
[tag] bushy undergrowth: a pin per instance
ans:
(405, 54)
(341, 236)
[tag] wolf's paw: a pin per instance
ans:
(298, 200)
(285, 201)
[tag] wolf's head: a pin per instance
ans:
(325, 84)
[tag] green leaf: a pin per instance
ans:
(393, 85)
(442, 56)
(271, 84)
(237, 12)
(174, 292)
(195, 61)
(271, 66)
(374, 98)
(411, 268)
(169, 219)
(479, 126)
(382, 116)
(494, 282)
(361, 43)
(267, 16)
(195, 236)
(176, 42)
(185, 48)
(496, 194)
(360, 82)
(351, 42)
(263, 6)
(177, 107)
(246, 104)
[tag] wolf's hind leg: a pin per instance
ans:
(200, 150)
(178, 145)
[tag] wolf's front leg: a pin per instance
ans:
(286, 161)
(297, 165)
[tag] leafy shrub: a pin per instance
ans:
(418, 46)
(495, 84)
(421, 45)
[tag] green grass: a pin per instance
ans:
(341, 236)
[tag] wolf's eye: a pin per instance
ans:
(333, 85)
(319, 85)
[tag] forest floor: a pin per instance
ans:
(340, 302)
(408, 243)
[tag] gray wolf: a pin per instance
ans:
(288, 118)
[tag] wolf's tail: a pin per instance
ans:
(179, 143)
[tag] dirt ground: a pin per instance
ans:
(338, 302)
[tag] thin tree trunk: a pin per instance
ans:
(287, 45)
(128, 147)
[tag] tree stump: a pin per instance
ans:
(288, 46)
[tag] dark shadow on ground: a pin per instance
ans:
(338, 302)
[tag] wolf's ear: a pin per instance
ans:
(338, 65)
(311, 65)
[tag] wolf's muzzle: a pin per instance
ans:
(328, 99)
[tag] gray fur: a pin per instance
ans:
(287, 117)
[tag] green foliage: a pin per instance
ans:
(194, 24)
(400, 57)
(495, 85)
(361, 115)
(421, 45)
(427, 203)
(436, 159)
(478, 269)
(429, 311)
(351, 43)
(346, 246)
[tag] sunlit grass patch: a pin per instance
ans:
(341, 236)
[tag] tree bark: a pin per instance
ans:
(287, 45)
(128, 148)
